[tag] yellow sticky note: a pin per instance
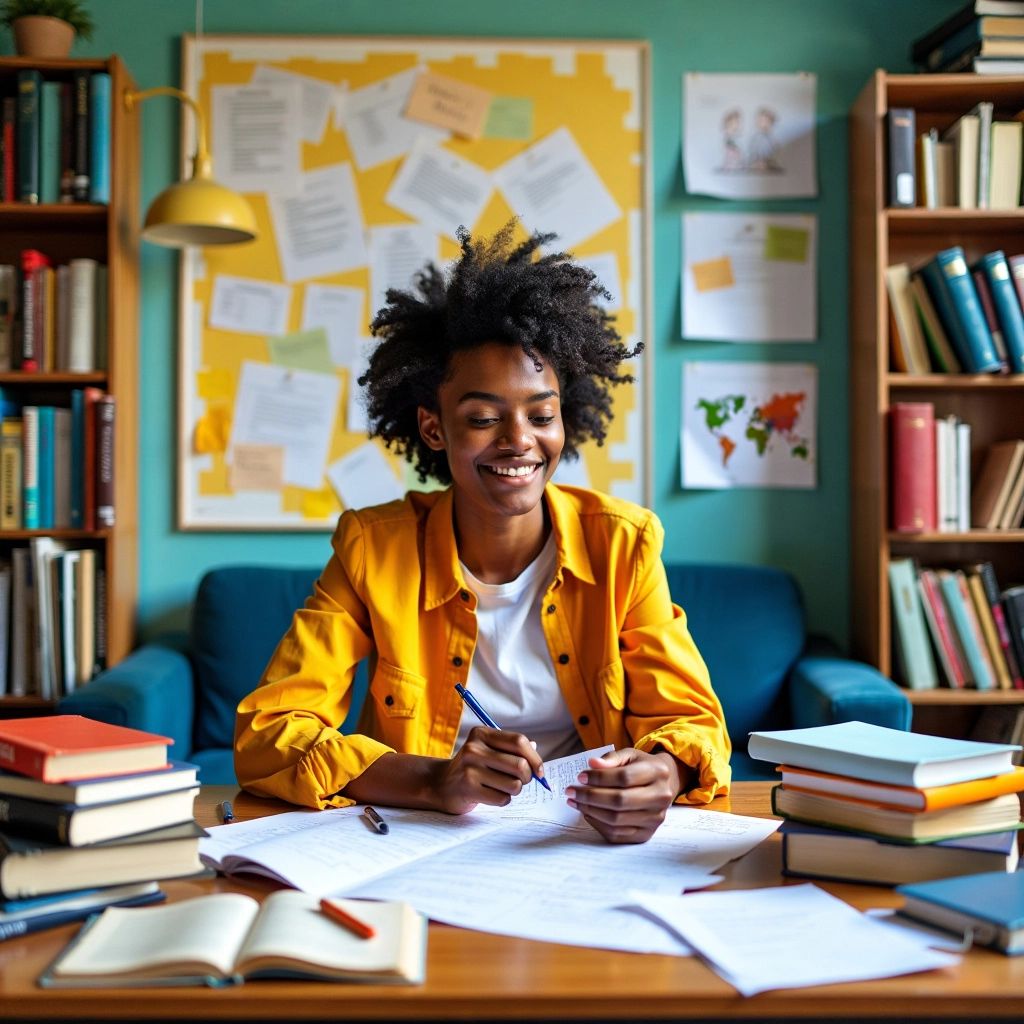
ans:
(212, 431)
(448, 103)
(212, 385)
(709, 275)
(319, 504)
(257, 467)
(786, 244)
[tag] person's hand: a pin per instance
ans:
(491, 767)
(625, 794)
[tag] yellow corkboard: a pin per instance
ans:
(578, 109)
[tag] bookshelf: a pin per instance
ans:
(107, 233)
(994, 406)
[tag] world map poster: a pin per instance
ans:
(749, 425)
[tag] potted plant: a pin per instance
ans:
(45, 29)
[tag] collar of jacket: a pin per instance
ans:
(444, 577)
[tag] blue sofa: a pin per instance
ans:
(748, 623)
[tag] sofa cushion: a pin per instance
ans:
(748, 623)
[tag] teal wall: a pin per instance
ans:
(840, 40)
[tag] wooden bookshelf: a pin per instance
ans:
(108, 234)
(994, 406)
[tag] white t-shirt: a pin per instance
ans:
(511, 674)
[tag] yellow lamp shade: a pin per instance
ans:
(199, 212)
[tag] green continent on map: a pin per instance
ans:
(778, 417)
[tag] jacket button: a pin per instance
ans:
(389, 700)
(583, 720)
(464, 594)
(551, 609)
(456, 661)
(563, 659)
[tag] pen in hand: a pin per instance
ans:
(474, 705)
(225, 812)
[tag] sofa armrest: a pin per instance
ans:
(825, 689)
(151, 690)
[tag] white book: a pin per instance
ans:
(68, 621)
(963, 477)
(984, 112)
(946, 474)
(82, 317)
(963, 133)
(84, 570)
(43, 549)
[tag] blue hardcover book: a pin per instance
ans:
(49, 142)
(956, 300)
(962, 613)
(47, 426)
(1007, 303)
(989, 905)
(99, 138)
(30, 85)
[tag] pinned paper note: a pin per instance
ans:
(212, 430)
(257, 467)
(302, 350)
(364, 477)
(249, 306)
(782, 243)
(711, 274)
(510, 117)
(339, 311)
(448, 103)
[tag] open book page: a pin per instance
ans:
(194, 937)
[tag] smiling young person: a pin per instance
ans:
(549, 603)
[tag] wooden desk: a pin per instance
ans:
(476, 976)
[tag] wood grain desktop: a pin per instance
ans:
(477, 976)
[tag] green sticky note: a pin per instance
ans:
(303, 350)
(509, 117)
(786, 244)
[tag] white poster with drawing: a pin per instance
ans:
(750, 136)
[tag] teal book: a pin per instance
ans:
(959, 307)
(30, 85)
(990, 906)
(49, 142)
(1008, 309)
(913, 653)
(878, 754)
(961, 611)
(47, 428)
(77, 459)
(99, 137)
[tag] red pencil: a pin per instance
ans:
(353, 924)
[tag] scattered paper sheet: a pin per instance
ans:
(397, 253)
(440, 189)
(357, 421)
(319, 230)
(364, 477)
(292, 409)
(789, 937)
(339, 311)
(255, 136)
(257, 467)
(249, 306)
(749, 277)
(375, 121)
(749, 425)
(316, 97)
(302, 350)
(552, 186)
(448, 103)
(749, 135)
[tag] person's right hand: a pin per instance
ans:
(491, 767)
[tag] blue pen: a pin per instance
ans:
(474, 705)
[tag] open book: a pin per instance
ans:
(227, 937)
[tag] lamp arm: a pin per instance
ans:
(201, 163)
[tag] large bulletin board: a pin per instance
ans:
(361, 157)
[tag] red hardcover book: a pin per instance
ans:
(941, 630)
(8, 174)
(60, 748)
(912, 478)
(32, 262)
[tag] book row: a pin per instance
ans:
(55, 139)
(57, 463)
(52, 618)
(947, 316)
(930, 481)
(956, 627)
(53, 318)
(985, 37)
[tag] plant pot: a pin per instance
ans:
(42, 37)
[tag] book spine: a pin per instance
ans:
(913, 467)
(8, 149)
(1008, 307)
(99, 138)
(963, 477)
(30, 467)
(105, 415)
(30, 83)
(49, 143)
(82, 316)
(8, 305)
(983, 614)
(77, 458)
(41, 820)
(45, 467)
(67, 162)
(10, 474)
(90, 397)
(1013, 604)
(988, 307)
(984, 152)
(968, 38)
(62, 469)
(975, 336)
(19, 759)
(939, 627)
(966, 630)
(902, 130)
(100, 618)
(41, 922)
(990, 584)
(915, 657)
(80, 136)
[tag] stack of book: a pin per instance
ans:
(93, 815)
(868, 804)
(984, 36)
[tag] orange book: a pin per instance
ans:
(61, 748)
(904, 798)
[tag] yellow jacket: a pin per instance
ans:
(394, 592)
